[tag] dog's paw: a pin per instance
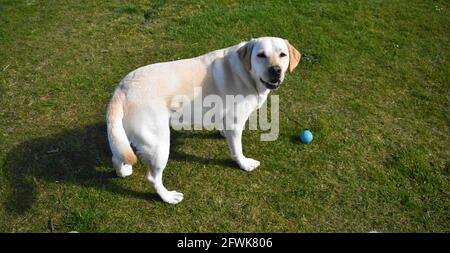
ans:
(172, 197)
(125, 170)
(248, 164)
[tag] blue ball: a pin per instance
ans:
(306, 136)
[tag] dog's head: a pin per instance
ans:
(267, 59)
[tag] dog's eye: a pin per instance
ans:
(261, 55)
(282, 55)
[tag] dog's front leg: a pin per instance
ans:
(234, 138)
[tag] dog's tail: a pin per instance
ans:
(118, 140)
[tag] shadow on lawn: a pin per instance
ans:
(73, 157)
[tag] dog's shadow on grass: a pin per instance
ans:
(74, 157)
(177, 142)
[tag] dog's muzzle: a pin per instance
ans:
(271, 85)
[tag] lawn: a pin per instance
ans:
(373, 85)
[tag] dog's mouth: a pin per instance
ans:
(271, 85)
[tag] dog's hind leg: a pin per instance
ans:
(154, 150)
(157, 157)
(122, 169)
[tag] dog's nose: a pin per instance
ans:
(275, 71)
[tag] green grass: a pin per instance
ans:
(373, 86)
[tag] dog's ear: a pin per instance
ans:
(245, 54)
(294, 56)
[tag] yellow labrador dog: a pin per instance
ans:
(143, 104)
